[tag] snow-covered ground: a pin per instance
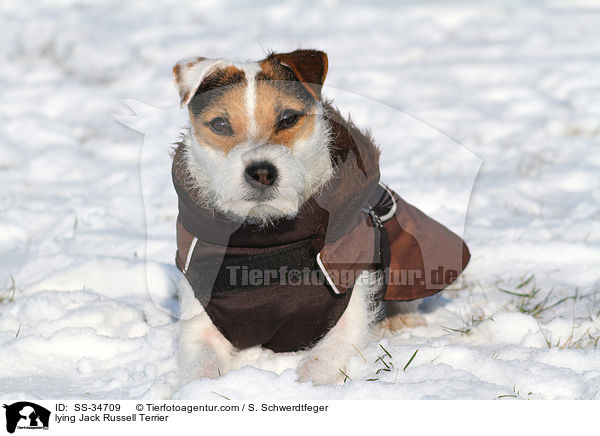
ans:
(86, 308)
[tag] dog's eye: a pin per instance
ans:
(287, 119)
(220, 126)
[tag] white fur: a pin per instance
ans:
(250, 69)
(192, 74)
(203, 351)
(220, 178)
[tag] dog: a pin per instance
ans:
(273, 180)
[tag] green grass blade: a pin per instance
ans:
(410, 360)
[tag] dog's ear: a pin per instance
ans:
(309, 67)
(189, 73)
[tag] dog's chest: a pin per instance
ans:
(270, 296)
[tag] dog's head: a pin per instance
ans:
(258, 143)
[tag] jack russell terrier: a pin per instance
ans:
(285, 236)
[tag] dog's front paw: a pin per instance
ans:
(320, 371)
(391, 325)
(203, 351)
(203, 365)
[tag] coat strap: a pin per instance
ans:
(190, 254)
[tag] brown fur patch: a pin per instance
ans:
(228, 103)
(309, 67)
(283, 78)
(270, 104)
(221, 94)
(270, 69)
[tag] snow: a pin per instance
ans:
(487, 116)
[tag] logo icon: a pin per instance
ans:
(26, 415)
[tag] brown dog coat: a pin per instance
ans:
(285, 285)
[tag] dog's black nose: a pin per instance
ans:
(261, 174)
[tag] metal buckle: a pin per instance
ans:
(375, 219)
